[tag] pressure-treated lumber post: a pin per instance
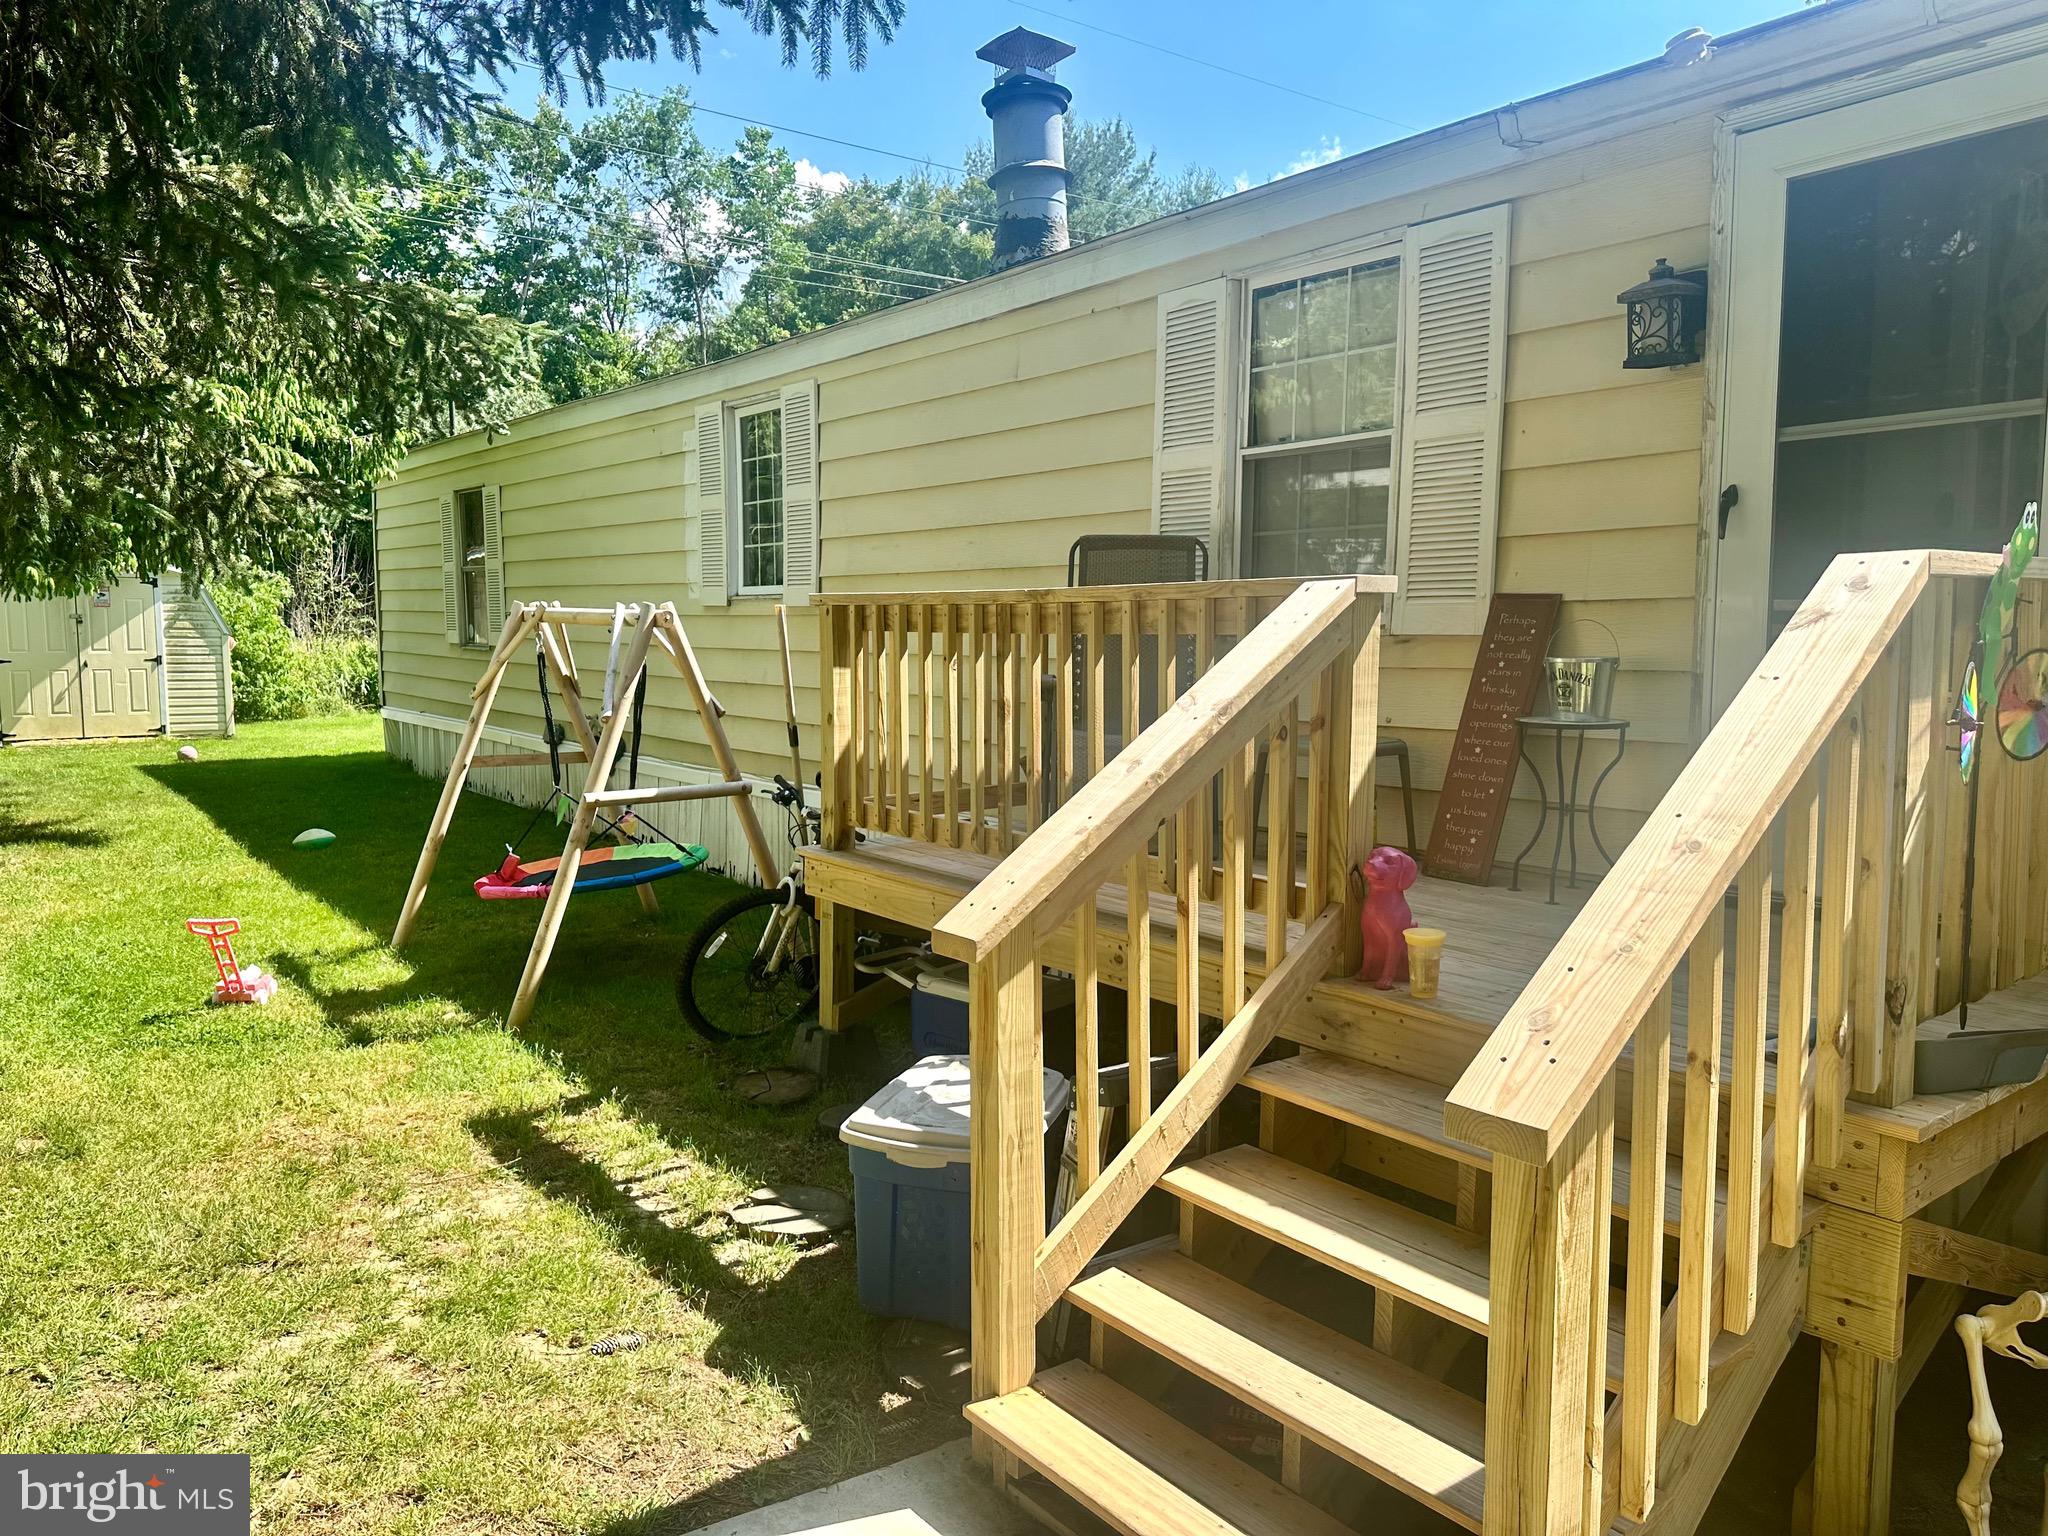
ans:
(836, 800)
(1852, 1474)
(1007, 1138)
(1353, 738)
(518, 620)
(1544, 1421)
(564, 883)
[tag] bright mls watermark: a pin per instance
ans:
(140, 1495)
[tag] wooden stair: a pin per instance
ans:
(1144, 1473)
(1396, 1423)
(1139, 1469)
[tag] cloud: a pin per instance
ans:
(1327, 148)
(831, 183)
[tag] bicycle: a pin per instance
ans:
(750, 970)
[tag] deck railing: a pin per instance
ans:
(1831, 780)
(1244, 955)
(963, 718)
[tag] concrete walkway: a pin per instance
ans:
(940, 1493)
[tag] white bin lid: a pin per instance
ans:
(921, 1118)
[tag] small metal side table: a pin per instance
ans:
(1567, 793)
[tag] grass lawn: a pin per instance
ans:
(364, 1234)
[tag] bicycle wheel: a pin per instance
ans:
(728, 988)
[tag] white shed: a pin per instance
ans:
(138, 657)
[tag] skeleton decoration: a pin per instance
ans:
(1996, 1328)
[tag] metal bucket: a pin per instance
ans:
(1581, 687)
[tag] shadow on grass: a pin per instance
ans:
(802, 1330)
(607, 1019)
(67, 832)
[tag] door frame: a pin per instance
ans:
(1745, 287)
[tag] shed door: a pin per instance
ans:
(1887, 340)
(118, 659)
(39, 681)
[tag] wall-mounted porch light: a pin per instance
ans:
(1666, 314)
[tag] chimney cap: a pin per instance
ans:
(1022, 48)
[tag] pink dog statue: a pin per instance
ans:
(1388, 872)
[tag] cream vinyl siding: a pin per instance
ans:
(198, 685)
(975, 455)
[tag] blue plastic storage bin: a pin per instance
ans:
(908, 1147)
(938, 1008)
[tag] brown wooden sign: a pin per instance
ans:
(1506, 682)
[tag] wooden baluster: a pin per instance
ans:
(1006, 727)
(927, 792)
(1279, 834)
(1205, 648)
(982, 835)
(1909, 929)
(1320, 893)
(1875, 848)
(1696, 1318)
(1945, 885)
(1795, 1006)
(1600, 1264)
(871, 683)
(1837, 931)
(1643, 1341)
(1187, 912)
(1064, 634)
(1034, 673)
(1174, 681)
(1138, 990)
(949, 638)
(2032, 826)
(1237, 863)
(1133, 629)
(1087, 1047)
(1094, 675)
(2019, 938)
(1746, 1103)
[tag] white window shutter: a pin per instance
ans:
(1191, 443)
(713, 589)
(800, 489)
(1454, 303)
(494, 563)
(451, 573)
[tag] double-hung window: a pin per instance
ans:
(1318, 443)
(757, 503)
(474, 555)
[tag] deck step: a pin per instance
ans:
(1401, 1426)
(1409, 1110)
(1137, 1468)
(1418, 1258)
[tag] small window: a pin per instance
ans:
(759, 504)
(469, 529)
(1319, 424)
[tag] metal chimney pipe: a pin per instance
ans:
(1028, 108)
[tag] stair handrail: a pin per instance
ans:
(1036, 889)
(1566, 1030)
(1042, 904)
(1838, 738)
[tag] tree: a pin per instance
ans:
(870, 246)
(202, 339)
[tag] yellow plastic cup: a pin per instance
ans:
(1425, 959)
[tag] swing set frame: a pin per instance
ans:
(641, 628)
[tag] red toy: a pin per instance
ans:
(238, 983)
(1388, 872)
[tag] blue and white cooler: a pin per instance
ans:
(911, 1178)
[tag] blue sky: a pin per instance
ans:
(1411, 64)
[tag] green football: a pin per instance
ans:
(313, 837)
